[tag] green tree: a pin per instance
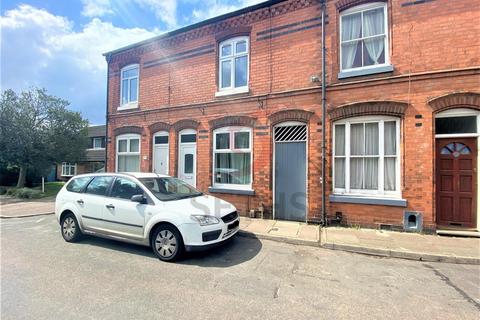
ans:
(37, 130)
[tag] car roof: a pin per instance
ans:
(137, 175)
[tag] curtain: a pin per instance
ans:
(371, 138)
(390, 138)
(340, 140)
(356, 173)
(356, 139)
(340, 173)
(371, 173)
(351, 29)
(389, 176)
(129, 163)
(374, 25)
(232, 168)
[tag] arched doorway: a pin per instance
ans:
(290, 171)
(187, 156)
(160, 152)
(456, 135)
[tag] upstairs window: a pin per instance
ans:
(233, 65)
(363, 37)
(129, 87)
(98, 143)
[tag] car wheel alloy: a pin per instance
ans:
(167, 243)
(70, 229)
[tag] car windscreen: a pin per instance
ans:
(168, 188)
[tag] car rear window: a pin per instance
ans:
(99, 185)
(78, 184)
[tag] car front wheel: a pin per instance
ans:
(167, 243)
(70, 229)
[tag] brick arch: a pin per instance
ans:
(290, 115)
(185, 124)
(243, 121)
(159, 126)
(235, 31)
(455, 100)
(346, 4)
(128, 129)
(390, 108)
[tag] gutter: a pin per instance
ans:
(324, 116)
(108, 57)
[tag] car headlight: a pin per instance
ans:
(205, 220)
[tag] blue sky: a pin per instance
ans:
(58, 44)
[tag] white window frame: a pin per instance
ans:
(232, 130)
(362, 8)
(459, 112)
(67, 169)
(128, 137)
(380, 192)
(232, 89)
(130, 104)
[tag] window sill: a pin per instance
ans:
(394, 202)
(364, 72)
(128, 107)
(231, 92)
(245, 192)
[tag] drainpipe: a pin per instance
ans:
(108, 57)
(324, 117)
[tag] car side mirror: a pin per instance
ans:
(140, 198)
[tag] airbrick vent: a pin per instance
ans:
(291, 133)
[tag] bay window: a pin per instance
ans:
(232, 158)
(366, 156)
(363, 37)
(129, 87)
(233, 65)
(128, 153)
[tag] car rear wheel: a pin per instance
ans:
(69, 228)
(167, 243)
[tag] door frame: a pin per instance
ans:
(188, 144)
(286, 124)
(458, 112)
(167, 146)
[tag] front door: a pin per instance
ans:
(160, 152)
(290, 197)
(456, 179)
(186, 163)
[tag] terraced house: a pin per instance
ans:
(233, 105)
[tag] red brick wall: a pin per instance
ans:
(433, 50)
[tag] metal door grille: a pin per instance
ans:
(290, 133)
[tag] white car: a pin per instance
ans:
(144, 208)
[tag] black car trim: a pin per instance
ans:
(123, 223)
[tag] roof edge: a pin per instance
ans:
(195, 25)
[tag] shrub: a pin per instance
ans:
(3, 190)
(12, 192)
(26, 193)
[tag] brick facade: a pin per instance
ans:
(434, 69)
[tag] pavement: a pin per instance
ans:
(368, 241)
(19, 208)
(43, 277)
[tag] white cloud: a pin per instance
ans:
(42, 49)
(165, 10)
(96, 8)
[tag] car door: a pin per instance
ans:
(123, 216)
(92, 202)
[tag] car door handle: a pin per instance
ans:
(80, 201)
(110, 206)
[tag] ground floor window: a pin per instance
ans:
(232, 157)
(366, 156)
(69, 169)
(128, 153)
